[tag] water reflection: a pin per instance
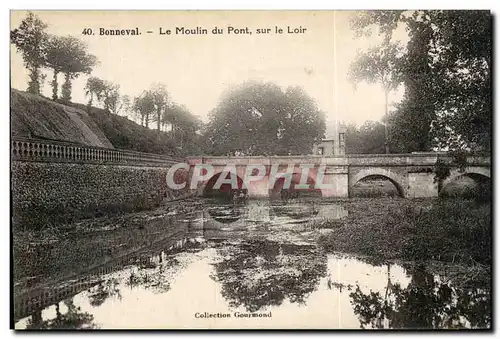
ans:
(260, 273)
(105, 290)
(253, 212)
(226, 213)
(198, 263)
(73, 318)
(425, 303)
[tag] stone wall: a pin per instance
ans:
(53, 183)
(50, 193)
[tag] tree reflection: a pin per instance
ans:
(226, 213)
(105, 290)
(152, 275)
(425, 303)
(150, 278)
(296, 210)
(72, 319)
(260, 273)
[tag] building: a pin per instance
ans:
(334, 141)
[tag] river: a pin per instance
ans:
(249, 265)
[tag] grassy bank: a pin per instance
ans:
(449, 230)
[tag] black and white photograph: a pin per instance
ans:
(251, 169)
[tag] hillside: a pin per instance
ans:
(126, 134)
(39, 117)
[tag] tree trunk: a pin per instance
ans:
(36, 317)
(91, 100)
(55, 86)
(66, 88)
(158, 120)
(386, 130)
(34, 83)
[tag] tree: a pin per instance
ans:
(30, 40)
(382, 65)
(367, 139)
(183, 123)
(160, 100)
(54, 58)
(73, 60)
(447, 77)
(111, 97)
(304, 124)
(94, 87)
(144, 107)
(462, 52)
(125, 104)
(260, 118)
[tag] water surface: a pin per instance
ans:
(250, 265)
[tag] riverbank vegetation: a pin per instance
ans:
(449, 230)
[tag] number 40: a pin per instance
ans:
(87, 31)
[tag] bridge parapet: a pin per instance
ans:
(39, 150)
(414, 159)
(269, 160)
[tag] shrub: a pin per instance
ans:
(451, 230)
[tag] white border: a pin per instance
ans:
(188, 4)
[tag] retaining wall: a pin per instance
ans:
(54, 182)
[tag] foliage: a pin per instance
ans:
(455, 231)
(73, 59)
(384, 22)
(260, 118)
(94, 87)
(366, 139)
(111, 97)
(144, 107)
(451, 230)
(447, 77)
(108, 93)
(55, 59)
(160, 98)
(125, 104)
(103, 291)
(379, 64)
(126, 134)
(383, 65)
(30, 40)
(184, 125)
(442, 171)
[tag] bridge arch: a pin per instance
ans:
(206, 187)
(471, 172)
(394, 178)
(296, 176)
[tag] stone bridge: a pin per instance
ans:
(413, 175)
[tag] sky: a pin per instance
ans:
(197, 68)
